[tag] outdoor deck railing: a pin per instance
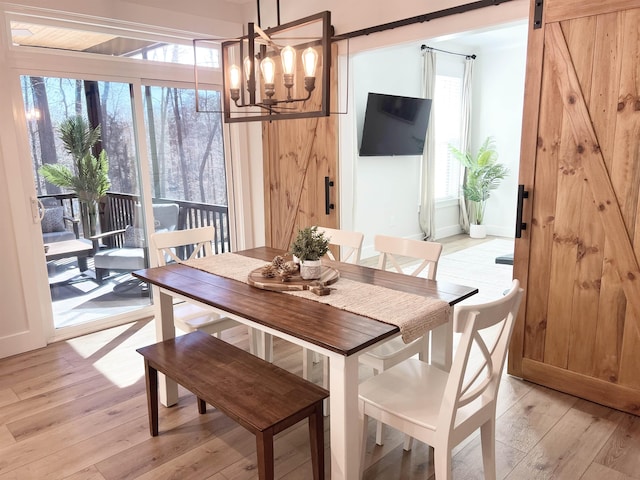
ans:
(117, 210)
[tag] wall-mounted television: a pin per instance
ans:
(394, 125)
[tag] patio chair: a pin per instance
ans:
(443, 408)
(55, 225)
(132, 253)
(394, 252)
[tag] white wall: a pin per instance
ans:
(497, 111)
(387, 189)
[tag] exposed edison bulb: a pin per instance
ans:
(248, 64)
(288, 56)
(268, 68)
(309, 62)
(234, 76)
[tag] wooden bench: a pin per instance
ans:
(262, 397)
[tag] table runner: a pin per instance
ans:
(414, 314)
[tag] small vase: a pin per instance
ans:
(311, 269)
(477, 231)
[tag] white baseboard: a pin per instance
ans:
(448, 231)
(501, 231)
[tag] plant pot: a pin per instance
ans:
(310, 269)
(477, 231)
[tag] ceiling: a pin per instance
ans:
(489, 38)
(29, 34)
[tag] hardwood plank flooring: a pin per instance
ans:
(76, 410)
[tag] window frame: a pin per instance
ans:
(36, 61)
(449, 66)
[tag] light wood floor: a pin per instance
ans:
(76, 410)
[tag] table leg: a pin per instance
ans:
(82, 264)
(165, 329)
(344, 418)
(442, 344)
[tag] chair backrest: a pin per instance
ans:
(350, 243)
(165, 216)
(486, 329)
(390, 248)
(181, 245)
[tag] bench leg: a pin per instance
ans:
(264, 449)
(316, 437)
(151, 376)
(202, 406)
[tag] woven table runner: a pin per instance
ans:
(415, 315)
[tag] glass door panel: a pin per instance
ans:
(186, 159)
(90, 247)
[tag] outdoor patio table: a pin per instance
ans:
(337, 333)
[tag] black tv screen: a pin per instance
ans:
(394, 125)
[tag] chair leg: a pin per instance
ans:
(316, 437)
(307, 362)
(425, 347)
(378, 423)
(202, 406)
(100, 274)
(379, 432)
(268, 347)
(364, 425)
(442, 463)
(264, 450)
(488, 439)
(325, 383)
(261, 344)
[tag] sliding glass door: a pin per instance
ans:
(186, 156)
(90, 260)
(80, 243)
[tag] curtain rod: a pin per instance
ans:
(466, 7)
(427, 47)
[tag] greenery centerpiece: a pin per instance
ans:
(483, 174)
(89, 178)
(309, 246)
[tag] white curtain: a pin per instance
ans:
(465, 134)
(427, 202)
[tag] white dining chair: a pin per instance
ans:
(443, 408)
(178, 246)
(416, 256)
(350, 245)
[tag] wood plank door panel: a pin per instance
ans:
(298, 155)
(580, 329)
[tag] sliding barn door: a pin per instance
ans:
(301, 173)
(580, 329)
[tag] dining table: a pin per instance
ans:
(338, 333)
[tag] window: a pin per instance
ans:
(186, 151)
(447, 111)
(142, 47)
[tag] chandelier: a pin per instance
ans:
(263, 79)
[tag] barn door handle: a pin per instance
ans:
(520, 225)
(328, 206)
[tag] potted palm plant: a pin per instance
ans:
(89, 178)
(309, 246)
(483, 174)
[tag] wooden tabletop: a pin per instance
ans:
(323, 325)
